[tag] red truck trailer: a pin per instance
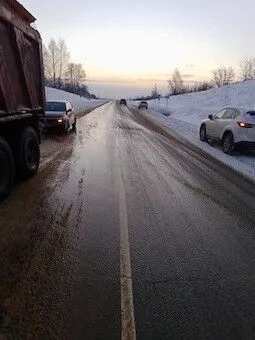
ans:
(22, 95)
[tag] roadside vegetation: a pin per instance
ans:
(221, 76)
(61, 73)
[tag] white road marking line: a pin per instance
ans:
(128, 331)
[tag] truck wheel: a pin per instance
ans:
(28, 153)
(6, 169)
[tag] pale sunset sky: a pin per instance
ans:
(128, 46)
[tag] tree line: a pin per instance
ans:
(220, 77)
(60, 72)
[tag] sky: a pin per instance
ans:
(128, 46)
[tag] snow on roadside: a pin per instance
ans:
(79, 103)
(184, 114)
(194, 107)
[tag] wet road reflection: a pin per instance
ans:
(191, 234)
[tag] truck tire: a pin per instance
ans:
(6, 169)
(27, 153)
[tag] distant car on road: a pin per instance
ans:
(123, 102)
(143, 105)
(59, 115)
(231, 126)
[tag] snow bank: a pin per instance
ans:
(194, 107)
(184, 114)
(79, 103)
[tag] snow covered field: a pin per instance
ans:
(187, 111)
(79, 103)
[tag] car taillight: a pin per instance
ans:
(245, 125)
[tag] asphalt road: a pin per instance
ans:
(126, 229)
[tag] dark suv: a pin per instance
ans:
(59, 114)
(123, 102)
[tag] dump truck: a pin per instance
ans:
(22, 95)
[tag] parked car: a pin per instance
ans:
(59, 115)
(230, 126)
(143, 105)
(123, 102)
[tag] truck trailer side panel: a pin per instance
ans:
(22, 94)
(21, 69)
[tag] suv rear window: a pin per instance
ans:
(251, 113)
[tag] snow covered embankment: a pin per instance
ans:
(187, 111)
(80, 103)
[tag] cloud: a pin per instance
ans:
(188, 75)
(124, 81)
(109, 81)
(190, 65)
(150, 80)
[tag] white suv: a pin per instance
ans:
(231, 126)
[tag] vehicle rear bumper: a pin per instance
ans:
(53, 124)
(246, 135)
(246, 144)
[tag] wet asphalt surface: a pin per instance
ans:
(191, 230)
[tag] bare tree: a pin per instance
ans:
(60, 72)
(247, 68)
(80, 74)
(46, 62)
(75, 74)
(53, 62)
(154, 93)
(56, 60)
(70, 73)
(223, 76)
(176, 83)
(63, 59)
